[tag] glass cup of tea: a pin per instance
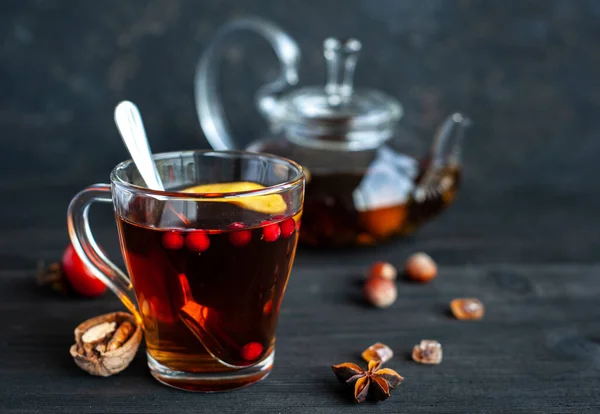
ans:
(208, 260)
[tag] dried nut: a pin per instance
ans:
(120, 336)
(98, 332)
(378, 352)
(106, 344)
(380, 292)
(467, 308)
(427, 352)
(383, 269)
(420, 267)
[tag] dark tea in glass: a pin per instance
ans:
(210, 296)
(209, 260)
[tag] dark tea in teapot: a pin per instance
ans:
(333, 216)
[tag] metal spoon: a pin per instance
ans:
(130, 125)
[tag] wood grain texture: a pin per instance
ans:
(537, 350)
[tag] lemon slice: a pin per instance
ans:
(267, 204)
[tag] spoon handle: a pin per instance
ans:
(130, 125)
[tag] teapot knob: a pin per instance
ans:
(341, 60)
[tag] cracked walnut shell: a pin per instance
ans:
(106, 344)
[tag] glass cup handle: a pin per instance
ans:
(86, 247)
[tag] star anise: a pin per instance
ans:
(374, 383)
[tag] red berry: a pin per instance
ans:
(287, 227)
(239, 238)
(270, 231)
(79, 276)
(197, 241)
(172, 240)
(251, 351)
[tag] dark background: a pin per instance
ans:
(523, 234)
(525, 71)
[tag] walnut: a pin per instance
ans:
(106, 344)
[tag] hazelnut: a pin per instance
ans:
(420, 267)
(380, 292)
(383, 269)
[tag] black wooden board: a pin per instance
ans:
(537, 350)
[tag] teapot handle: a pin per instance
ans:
(208, 101)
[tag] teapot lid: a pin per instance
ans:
(337, 115)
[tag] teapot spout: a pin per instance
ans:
(445, 154)
(448, 141)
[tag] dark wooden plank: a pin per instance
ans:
(537, 350)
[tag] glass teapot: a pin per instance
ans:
(367, 178)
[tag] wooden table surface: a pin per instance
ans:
(537, 349)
